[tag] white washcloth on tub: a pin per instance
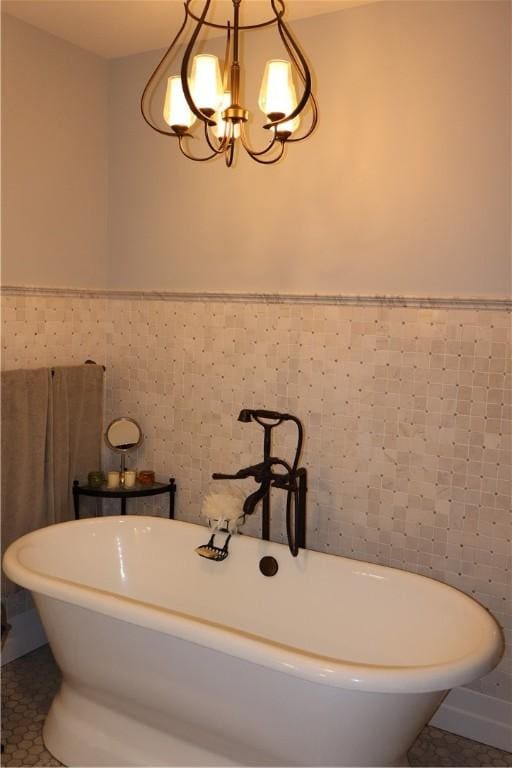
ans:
(223, 507)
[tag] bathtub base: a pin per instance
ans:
(79, 731)
(136, 697)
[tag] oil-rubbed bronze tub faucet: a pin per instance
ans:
(293, 480)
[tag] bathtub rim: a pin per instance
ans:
(253, 648)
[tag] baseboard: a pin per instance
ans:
(25, 635)
(476, 716)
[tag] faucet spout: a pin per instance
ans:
(254, 498)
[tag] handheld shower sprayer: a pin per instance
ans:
(246, 415)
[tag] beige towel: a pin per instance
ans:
(75, 435)
(25, 406)
(51, 435)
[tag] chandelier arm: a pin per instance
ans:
(287, 40)
(303, 69)
(191, 157)
(312, 99)
(314, 121)
(148, 118)
(260, 25)
(185, 62)
(252, 152)
(223, 143)
(230, 154)
(267, 162)
(300, 63)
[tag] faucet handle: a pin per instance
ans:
(241, 474)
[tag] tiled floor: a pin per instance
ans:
(29, 684)
(28, 687)
(434, 747)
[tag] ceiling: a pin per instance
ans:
(115, 28)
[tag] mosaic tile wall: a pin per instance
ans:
(40, 331)
(407, 414)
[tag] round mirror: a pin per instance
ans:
(123, 435)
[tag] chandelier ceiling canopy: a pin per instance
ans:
(207, 94)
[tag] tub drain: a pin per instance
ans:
(269, 566)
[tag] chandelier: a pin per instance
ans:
(209, 94)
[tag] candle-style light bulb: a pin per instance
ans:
(206, 83)
(277, 94)
(177, 113)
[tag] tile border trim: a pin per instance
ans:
(471, 303)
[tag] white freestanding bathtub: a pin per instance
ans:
(172, 659)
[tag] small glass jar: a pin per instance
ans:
(146, 477)
(96, 479)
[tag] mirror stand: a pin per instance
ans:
(123, 469)
(123, 435)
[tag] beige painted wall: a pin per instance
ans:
(404, 189)
(54, 160)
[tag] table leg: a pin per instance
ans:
(172, 492)
(76, 500)
(123, 506)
